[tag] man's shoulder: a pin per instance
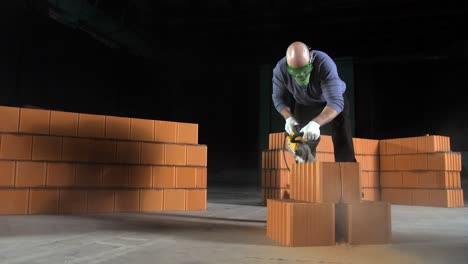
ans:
(320, 55)
(281, 65)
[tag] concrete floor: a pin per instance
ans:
(232, 230)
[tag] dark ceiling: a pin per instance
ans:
(253, 30)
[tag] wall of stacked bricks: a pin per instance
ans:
(64, 162)
(325, 207)
(410, 171)
(421, 171)
(277, 159)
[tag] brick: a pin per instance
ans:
(383, 147)
(60, 174)
(165, 131)
(176, 155)
(127, 201)
(202, 180)
(36, 121)
(141, 129)
(100, 201)
(186, 177)
(140, 176)
(364, 223)
(47, 148)
(17, 201)
(387, 163)
(439, 198)
(374, 179)
(63, 123)
(350, 181)
(102, 151)
(7, 173)
(30, 174)
(197, 155)
(72, 201)
(9, 119)
(397, 196)
(117, 127)
(76, 149)
(371, 194)
(89, 175)
(420, 197)
(410, 179)
(151, 200)
(152, 153)
(408, 145)
(163, 177)
(115, 176)
(91, 125)
(418, 162)
(374, 146)
(402, 162)
(187, 133)
(44, 201)
(16, 147)
(326, 144)
(128, 152)
(293, 223)
(283, 179)
(195, 199)
(393, 146)
(174, 199)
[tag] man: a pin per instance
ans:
(311, 77)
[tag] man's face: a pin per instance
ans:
(301, 75)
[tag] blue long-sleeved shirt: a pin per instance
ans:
(324, 86)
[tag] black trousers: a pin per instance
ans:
(341, 128)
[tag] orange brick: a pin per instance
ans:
(402, 162)
(409, 145)
(63, 123)
(418, 162)
(34, 121)
(293, 223)
(115, 176)
(88, 175)
(102, 151)
(9, 119)
(17, 201)
(100, 201)
(127, 201)
(282, 179)
(17, 147)
(60, 174)
(151, 200)
(176, 155)
(195, 199)
(72, 201)
(43, 201)
(202, 180)
(364, 223)
(186, 177)
(7, 173)
(142, 129)
(391, 179)
(30, 174)
(152, 153)
(91, 125)
(187, 133)
(197, 155)
(117, 127)
(75, 149)
(393, 146)
(439, 198)
(383, 147)
(163, 177)
(374, 179)
(47, 148)
(387, 163)
(420, 197)
(128, 152)
(326, 144)
(165, 131)
(373, 146)
(140, 176)
(174, 199)
(410, 179)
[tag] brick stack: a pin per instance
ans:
(367, 154)
(325, 207)
(420, 171)
(277, 162)
(64, 162)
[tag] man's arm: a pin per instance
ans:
(280, 94)
(327, 115)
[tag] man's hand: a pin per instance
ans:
(290, 123)
(311, 131)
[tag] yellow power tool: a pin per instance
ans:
(302, 149)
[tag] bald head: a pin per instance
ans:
(297, 54)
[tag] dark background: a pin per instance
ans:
(199, 62)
